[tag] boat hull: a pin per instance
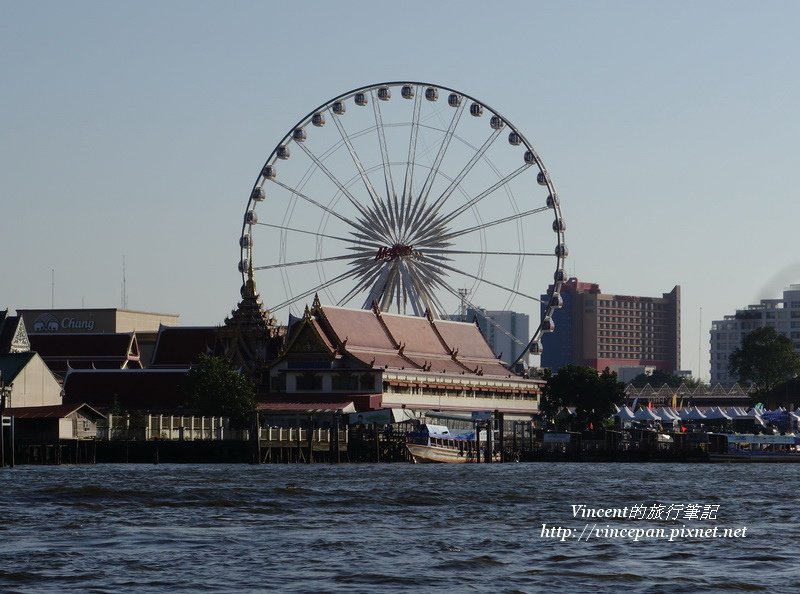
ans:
(424, 454)
(755, 457)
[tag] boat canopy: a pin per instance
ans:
(435, 430)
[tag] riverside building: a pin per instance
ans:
(99, 321)
(602, 330)
(507, 332)
(726, 335)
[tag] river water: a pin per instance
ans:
(399, 528)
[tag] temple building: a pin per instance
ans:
(348, 360)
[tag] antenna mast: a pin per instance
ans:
(124, 288)
(462, 312)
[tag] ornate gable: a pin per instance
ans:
(308, 343)
(20, 342)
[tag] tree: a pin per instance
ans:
(593, 396)
(658, 378)
(214, 388)
(765, 359)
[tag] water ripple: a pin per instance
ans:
(393, 528)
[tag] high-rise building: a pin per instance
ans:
(602, 330)
(507, 332)
(727, 334)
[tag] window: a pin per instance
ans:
(309, 382)
(344, 381)
(367, 381)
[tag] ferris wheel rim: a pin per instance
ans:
(558, 277)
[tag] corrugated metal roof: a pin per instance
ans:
(12, 363)
(58, 411)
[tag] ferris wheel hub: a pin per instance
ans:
(394, 252)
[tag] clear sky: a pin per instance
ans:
(136, 130)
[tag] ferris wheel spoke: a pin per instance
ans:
(366, 229)
(520, 215)
(321, 166)
(430, 212)
(488, 282)
(488, 319)
(324, 285)
(377, 203)
(425, 281)
(302, 262)
(422, 197)
(386, 292)
(488, 191)
(349, 240)
(408, 181)
(391, 195)
(368, 279)
(438, 252)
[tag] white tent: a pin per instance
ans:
(666, 414)
(691, 414)
(715, 413)
(645, 414)
(625, 414)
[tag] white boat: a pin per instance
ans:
(743, 447)
(435, 443)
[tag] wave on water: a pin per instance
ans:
(394, 528)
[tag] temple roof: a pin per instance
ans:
(87, 351)
(181, 346)
(139, 389)
(394, 341)
(55, 411)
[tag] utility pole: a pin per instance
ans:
(2, 422)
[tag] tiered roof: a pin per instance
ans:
(181, 346)
(87, 351)
(141, 389)
(391, 341)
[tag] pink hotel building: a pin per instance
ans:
(602, 330)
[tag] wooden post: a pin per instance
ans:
(489, 441)
(514, 438)
(310, 439)
(298, 449)
(500, 420)
(477, 441)
(335, 435)
(255, 439)
(13, 443)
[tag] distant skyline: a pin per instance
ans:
(136, 130)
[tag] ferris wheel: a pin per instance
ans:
(412, 196)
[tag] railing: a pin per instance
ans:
(298, 435)
(168, 427)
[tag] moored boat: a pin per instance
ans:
(738, 447)
(435, 443)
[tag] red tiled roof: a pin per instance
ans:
(416, 334)
(87, 351)
(360, 327)
(181, 346)
(465, 339)
(134, 389)
(57, 411)
(319, 402)
(381, 358)
(83, 345)
(407, 342)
